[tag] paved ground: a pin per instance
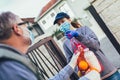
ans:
(110, 52)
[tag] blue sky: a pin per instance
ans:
(23, 8)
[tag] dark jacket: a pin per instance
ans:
(14, 66)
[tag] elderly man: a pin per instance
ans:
(15, 40)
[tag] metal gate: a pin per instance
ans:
(48, 58)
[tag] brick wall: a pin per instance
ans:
(109, 10)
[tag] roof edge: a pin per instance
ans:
(39, 17)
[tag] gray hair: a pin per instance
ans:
(7, 20)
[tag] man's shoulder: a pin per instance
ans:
(13, 68)
(12, 65)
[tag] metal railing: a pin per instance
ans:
(48, 58)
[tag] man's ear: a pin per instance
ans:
(17, 30)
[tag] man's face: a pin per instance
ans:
(26, 32)
(59, 22)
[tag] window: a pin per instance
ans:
(48, 20)
(36, 29)
(52, 14)
(34, 32)
(43, 21)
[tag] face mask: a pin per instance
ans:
(65, 27)
(28, 34)
(31, 36)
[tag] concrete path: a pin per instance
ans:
(110, 52)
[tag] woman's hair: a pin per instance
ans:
(75, 24)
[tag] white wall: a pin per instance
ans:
(109, 10)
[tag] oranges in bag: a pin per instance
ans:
(83, 65)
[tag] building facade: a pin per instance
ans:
(108, 12)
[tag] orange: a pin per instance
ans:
(83, 65)
(79, 74)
